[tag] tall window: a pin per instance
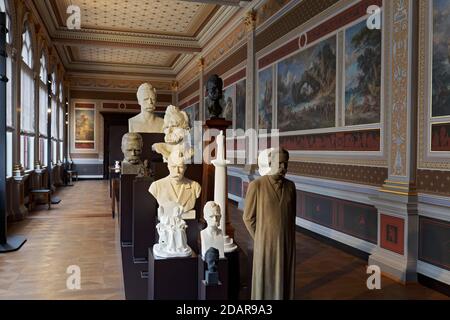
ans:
(54, 120)
(43, 111)
(9, 110)
(61, 123)
(27, 132)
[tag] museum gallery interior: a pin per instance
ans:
(224, 149)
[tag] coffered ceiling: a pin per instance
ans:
(133, 37)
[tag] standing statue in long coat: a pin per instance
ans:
(269, 215)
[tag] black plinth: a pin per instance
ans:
(145, 212)
(214, 292)
(233, 274)
(172, 278)
(134, 284)
(12, 244)
(126, 207)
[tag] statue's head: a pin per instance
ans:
(211, 257)
(214, 87)
(211, 213)
(176, 165)
(132, 147)
(146, 96)
(176, 125)
(273, 162)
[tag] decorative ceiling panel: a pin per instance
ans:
(124, 56)
(171, 17)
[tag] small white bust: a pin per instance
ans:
(172, 232)
(212, 236)
(146, 121)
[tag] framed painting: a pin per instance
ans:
(265, 98)
(306, 88)
(240, 104)
(362, 75)
(85, 128)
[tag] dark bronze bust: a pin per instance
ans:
(212, 260)
(214, 88)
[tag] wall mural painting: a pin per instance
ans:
(229, 98)
(440, 137)
(85, 128)
(240, 104)
(307, 88)
(362, 75)
(265, 99)
(193, 113)
(441, 58)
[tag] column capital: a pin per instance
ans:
(250, 20)
(201, 64)
(174, 86)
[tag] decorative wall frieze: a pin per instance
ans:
(115, 84)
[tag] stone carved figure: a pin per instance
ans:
(212, 260)
(176, 129)
(176, 187)
(212, 236)
(172, 232)
(214, 88)
(146, 121)
(269, 215)
(132, 144)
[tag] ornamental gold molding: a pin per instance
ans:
(112, 84)
(400, 75)
(250, 20)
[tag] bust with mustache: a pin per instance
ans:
(146, 121)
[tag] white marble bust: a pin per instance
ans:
(146, 121)
(176, 129)
(176, 188)
(172, 232)
(212, 236)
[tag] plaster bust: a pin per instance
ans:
(273, 162)
(176, 129)
(176, 188)
(212, 236)
(132, 148)
(146, 121)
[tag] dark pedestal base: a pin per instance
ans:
(173, 278)
(135, 285)
(145, 212)
(211, 292)
(12, 244)
(217, 292)
(233, 274)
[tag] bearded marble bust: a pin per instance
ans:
(176, 129)
(132, 145)
(146, 121)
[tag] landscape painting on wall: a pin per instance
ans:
(362, 75)
(441, 58)
(306, 89)
(265, 99)
(240, 104)
(84, 125)
(228, 102)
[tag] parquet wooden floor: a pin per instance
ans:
(78, 231)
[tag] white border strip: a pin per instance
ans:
(434, 272)
(337, 236)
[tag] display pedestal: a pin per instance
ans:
(233, 274)
(209, 170)
(126, 207)
(213, 292)
(145, 212)
(172, 278)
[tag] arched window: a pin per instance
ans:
(54, 120)
(43, 114)
(61, 122)
(27, 126)
(9, 110)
